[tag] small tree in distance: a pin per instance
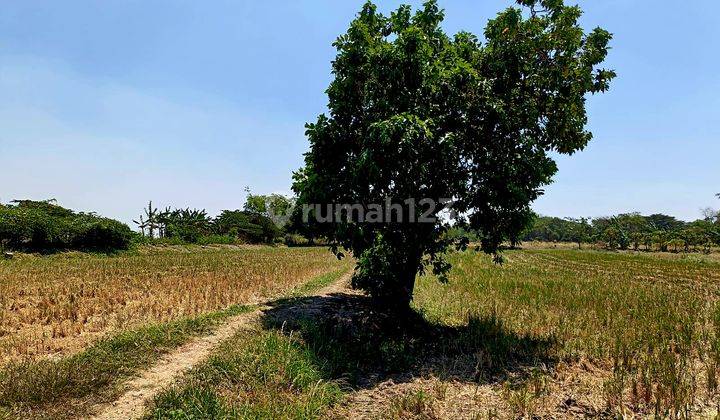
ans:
(415, 113)
(275, 206)
(580, 230)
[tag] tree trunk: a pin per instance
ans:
(397, 299)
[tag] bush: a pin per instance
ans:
(103, 234)
(44, 226)
(248, 226)
(184, 233)
(291, 239)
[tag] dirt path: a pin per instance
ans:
(165, 371)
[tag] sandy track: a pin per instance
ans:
(139, 391)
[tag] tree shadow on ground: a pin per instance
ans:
(356, 343)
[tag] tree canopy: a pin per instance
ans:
(277, 207)
(416, 113)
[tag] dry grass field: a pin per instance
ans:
(56, 305)
(551, 334)
(626, 333)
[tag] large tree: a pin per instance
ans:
(415, 113)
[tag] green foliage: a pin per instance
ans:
(186, 224)
(664, 222)
(194, 226)
(308, 229)
(580, 231)
(457, 234)
(378, 273)
(291, 239)
(555, 229)
(101, 233)
(248, 226)
(615, 238)
(658, 231)
(415, 113)
(45, 226)
(276, 207)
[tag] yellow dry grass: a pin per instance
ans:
(56, 305)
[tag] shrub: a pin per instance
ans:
(291, 239)
(44, 226)
(248, 226)
(101, 233)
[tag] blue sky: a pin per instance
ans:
(107, 104)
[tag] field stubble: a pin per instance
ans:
(631, 334)
(553, 333)
(57, 305)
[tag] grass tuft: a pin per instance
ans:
(253, 375)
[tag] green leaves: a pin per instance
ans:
(44, 226)
(414, 113)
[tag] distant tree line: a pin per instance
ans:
(44, 226)
(263, 219)
(657, 232)
(41, 226)
(196, 226)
